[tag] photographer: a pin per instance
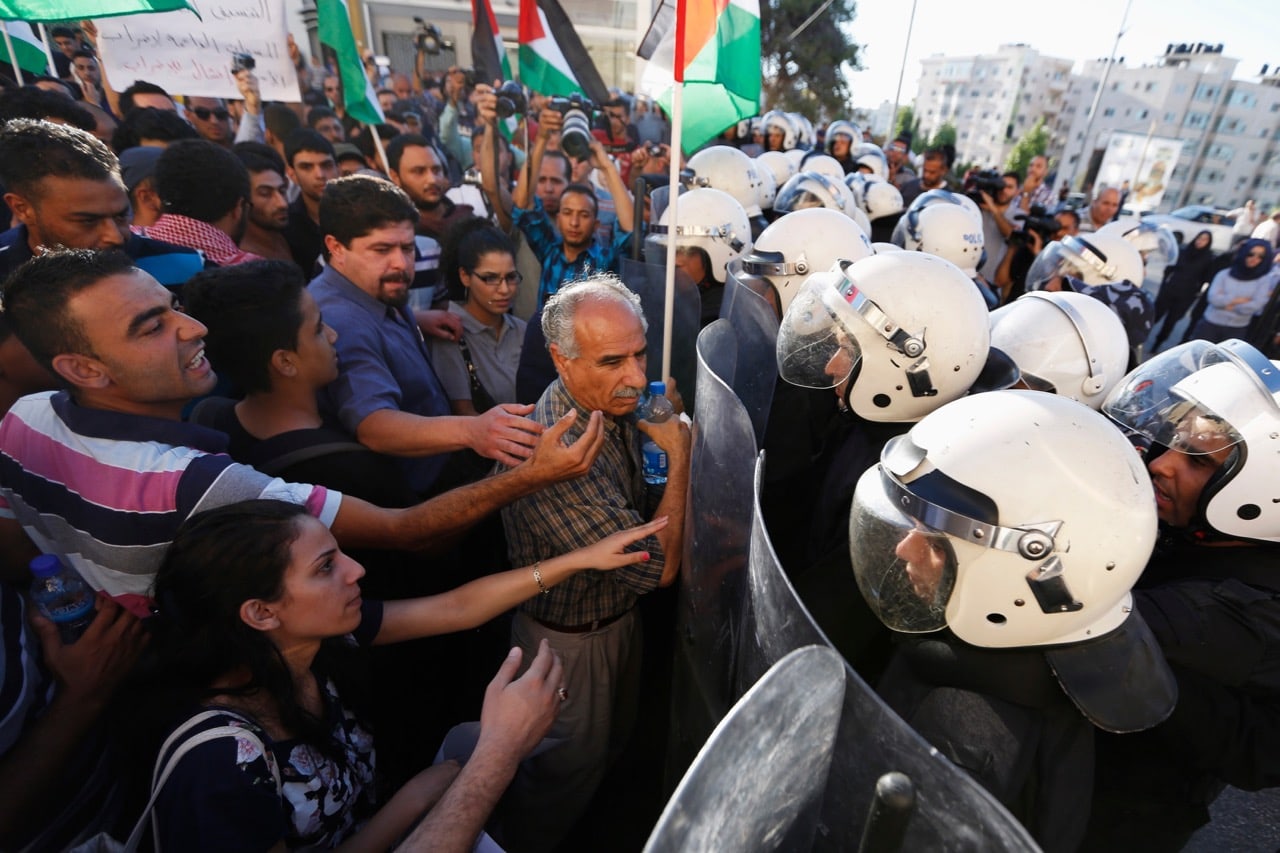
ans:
(458, 118)
(567, 249)
(1037, 229)
(618, 135)
(999, 214)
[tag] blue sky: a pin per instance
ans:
(1078, 29)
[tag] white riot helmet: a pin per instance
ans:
(870, 158)
(857, 184)
(881, 199)
(777, 164)
(1064, 343)
(841, 128)
(813, 189)
(1155, 243)
(1094, 259)
(799, 244)
(777, 121)
(949, 232)
(1201, 398)
(927, 199)
(823, 163)
(908, 331)
(725, 168)
(710, 220)
(944, 535)
(886, 248)
(768, 189)
(796, 158)
(805, 136)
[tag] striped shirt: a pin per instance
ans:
(569, 515)
(106, 491)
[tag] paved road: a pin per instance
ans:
(1243, 822)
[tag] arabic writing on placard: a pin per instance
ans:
(190, 56)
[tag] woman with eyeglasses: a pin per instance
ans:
(1238, 293)
(479, 370)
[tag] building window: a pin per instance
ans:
(1206, 92)
(1108, 112)
(1170, 117)
(1151, 87)
(1238, 98)
(1197, 120)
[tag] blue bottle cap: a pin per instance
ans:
(45, 565)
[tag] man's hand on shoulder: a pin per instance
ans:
(505, 434)
(553, 460)
(439, 324)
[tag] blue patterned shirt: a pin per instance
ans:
(547, 244)
(569, 515)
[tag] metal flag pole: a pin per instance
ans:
(13, 54)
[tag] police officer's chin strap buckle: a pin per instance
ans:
(762, 263)
(1037, 541)
(910, 345)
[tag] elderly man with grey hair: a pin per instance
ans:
(595, 331)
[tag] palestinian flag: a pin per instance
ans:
(75, 10)
(553, 60)
(28, 49)
(712, 47)
(359, 98)
(487, 52)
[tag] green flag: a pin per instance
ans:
(27, 48)
(75, 10)
(358, 95)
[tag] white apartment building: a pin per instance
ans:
(992, 99)
(1230, 129)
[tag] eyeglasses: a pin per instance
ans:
(493, 279)
(204, 113)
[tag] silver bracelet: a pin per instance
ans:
(537, 577)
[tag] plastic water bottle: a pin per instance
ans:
(62, 597)
(656, 409)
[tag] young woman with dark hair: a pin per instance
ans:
(258, 608)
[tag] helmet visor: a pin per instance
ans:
(1167, 399)
(816, 345)
(905, 570)
(1055, 262)
(806, 190)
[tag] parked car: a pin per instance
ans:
(1187, 222)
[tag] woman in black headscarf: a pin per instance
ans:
(1182, 283)
(1238, 293)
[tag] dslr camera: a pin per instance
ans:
(575, 132)
(511, 100)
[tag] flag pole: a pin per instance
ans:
(13, 54)
(48, 49)
(382, 152)
(668, 306)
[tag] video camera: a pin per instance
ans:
(1038, 220)
(429, 40)
(987, 181)
(575, 132)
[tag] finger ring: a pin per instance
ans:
(563, 693)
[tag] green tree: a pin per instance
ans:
(1032, 144)
(907, 122)
(945, 135)
(807, 74)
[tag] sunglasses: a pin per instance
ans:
(493, 279)
(204, 113)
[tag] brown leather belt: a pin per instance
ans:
(585, 628)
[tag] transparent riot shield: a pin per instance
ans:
(951, 811)
(757, 783)
(755, 369)
(649, 281)
(717, 530)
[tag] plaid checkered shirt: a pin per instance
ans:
(572, 514)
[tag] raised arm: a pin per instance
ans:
(475, 603)
(549, 122)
